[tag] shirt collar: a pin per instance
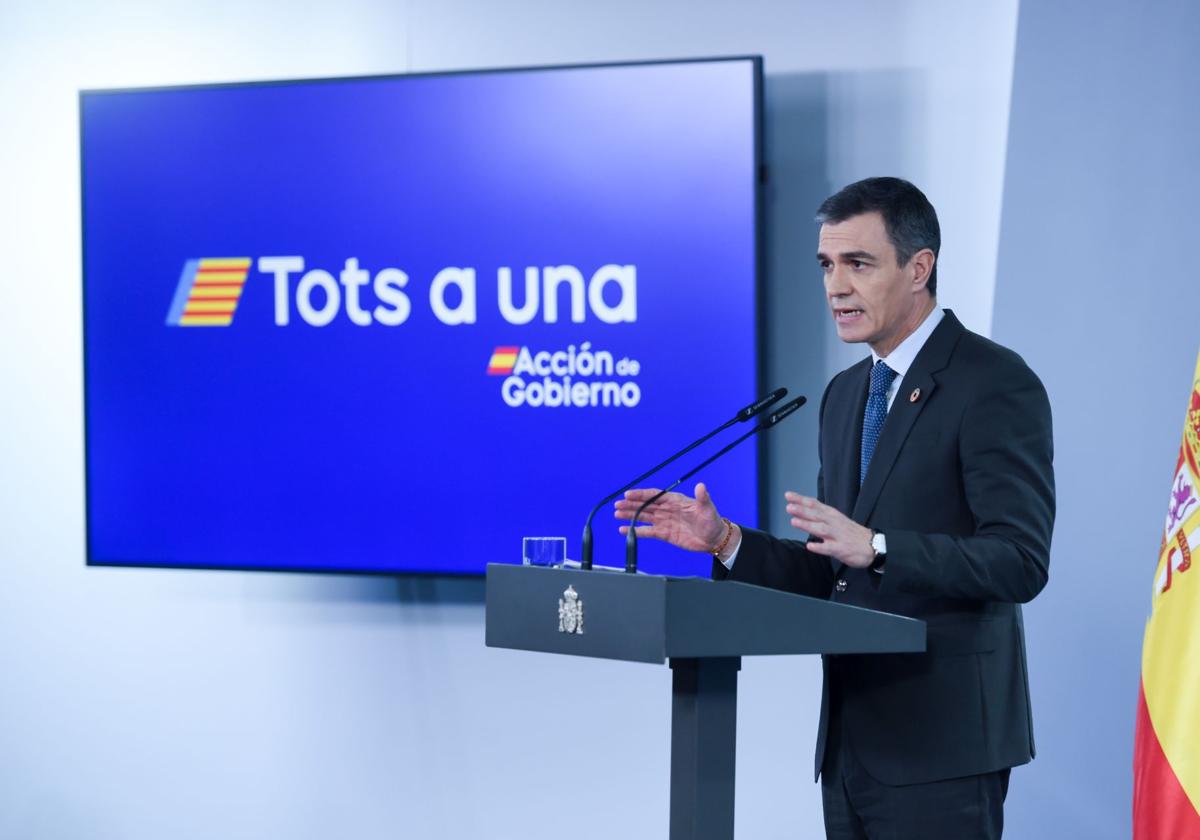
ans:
(901, 359)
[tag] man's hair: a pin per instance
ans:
(908, 217)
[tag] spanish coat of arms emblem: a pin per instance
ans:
(570, 612)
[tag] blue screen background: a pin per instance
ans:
(383, 448)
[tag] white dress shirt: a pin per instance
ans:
(899, 360)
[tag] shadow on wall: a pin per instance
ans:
(328, 594)
(444, 590)
(797, 157)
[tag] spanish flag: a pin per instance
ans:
(1166, 752)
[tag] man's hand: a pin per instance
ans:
(842, 537)
(684, 522)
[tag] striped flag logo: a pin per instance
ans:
(208, 292)
(502, 361)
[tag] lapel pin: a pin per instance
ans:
(915, 395)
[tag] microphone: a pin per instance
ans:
(742, 416)
(631, 534)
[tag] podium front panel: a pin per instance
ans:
(621, 616)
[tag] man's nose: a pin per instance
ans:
(836, 282)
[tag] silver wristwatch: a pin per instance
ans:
(879, 546)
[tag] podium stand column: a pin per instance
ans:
(703, 747)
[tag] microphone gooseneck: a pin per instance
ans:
(631, 534)
(744, 414)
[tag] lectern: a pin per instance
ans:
(704, 628)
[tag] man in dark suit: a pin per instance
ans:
(935, 500)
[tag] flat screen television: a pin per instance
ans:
(394, 324)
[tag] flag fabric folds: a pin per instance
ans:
(1166, 759)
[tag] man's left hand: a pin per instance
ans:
(841, 537)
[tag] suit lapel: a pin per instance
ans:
(844, 425)
(932, 358)
(842, 428)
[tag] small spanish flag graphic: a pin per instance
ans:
(502, 361)
(208, 292)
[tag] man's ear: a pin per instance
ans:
(922, 266)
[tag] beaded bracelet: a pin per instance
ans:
(728, 535)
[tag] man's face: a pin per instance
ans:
(872, 298)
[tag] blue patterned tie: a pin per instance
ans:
(881, 380)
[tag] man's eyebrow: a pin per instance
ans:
(847, 256)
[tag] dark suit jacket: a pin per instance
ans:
(962, 485)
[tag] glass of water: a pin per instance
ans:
(543, 551)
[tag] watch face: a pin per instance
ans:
(879, 544)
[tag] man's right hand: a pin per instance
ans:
(684, 522)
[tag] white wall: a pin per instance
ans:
(145, 704)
